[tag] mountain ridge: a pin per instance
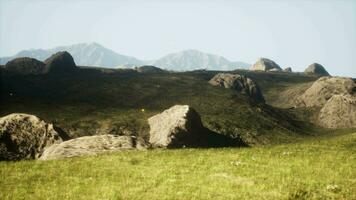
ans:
(192, 59)
(96, 55)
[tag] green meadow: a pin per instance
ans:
(320, 167)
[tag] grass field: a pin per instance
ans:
(320, 167)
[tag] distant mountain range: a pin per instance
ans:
(193, 59)
(94, 54)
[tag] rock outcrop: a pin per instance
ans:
(316, 69)
(60, 62)
(25, 66)
(339, 112)
(265, 64)
(181, 126)
(178, 126)
(88, 145)
(323, 89)
(239, 83)
(24, 136)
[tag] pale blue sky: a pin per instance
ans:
(292, 33)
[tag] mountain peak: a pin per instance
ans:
(192, 59)
(94, 54)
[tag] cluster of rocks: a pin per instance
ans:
(57, 63)
(61, 62)
(239, 83)
(336, 98)
(24, 136)
(267, 65)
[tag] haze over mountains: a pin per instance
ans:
(94, 54)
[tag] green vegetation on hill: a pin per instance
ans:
(316, 168)
(91, 101)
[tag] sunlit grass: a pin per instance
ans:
(319, 168)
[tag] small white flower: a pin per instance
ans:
(333, 188)
(236, 163)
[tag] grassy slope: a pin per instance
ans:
(317, 168)
(90, 102)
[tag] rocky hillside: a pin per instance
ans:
(323, 89)
(90, 101)
(238, 83)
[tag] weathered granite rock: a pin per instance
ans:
(265, 64)
(316, 69)
(323, 89)
(24, 136)
(181, 126)
(339, 112)
(178, 126)
(88, 145)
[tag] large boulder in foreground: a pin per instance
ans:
(239, 83)
(88, 145)
(24, 136)
(323, 89)
(316, 69)
(178, 126)
(60, 62)
(25, 66)
(265, 64)
(181, 126)
(339, 112)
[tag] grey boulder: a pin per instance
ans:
(88, 145)
(265, 64)
(24, 136)
(323, 89)
(316, 69)
(339, 112)
(181, 126)
(177, 126)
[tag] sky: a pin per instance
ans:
(292, 33)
